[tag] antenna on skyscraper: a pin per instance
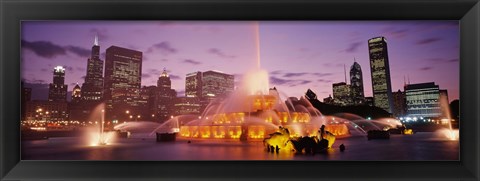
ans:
(96, 40)
(345, 71)
(354, 59)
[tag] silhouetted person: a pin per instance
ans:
(268, 148)
(322, 131)
(277, 149)
(342, 147)
(272, 149)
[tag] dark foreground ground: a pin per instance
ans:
(420, 146)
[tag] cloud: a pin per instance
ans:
(322, 74)
(279, 81)
(288, 82)
(298, 74)
(35, 81)
(427, 41)
(442, 60)
(48, 49)
(190, 61)
(81, 52)
(324, 80)
(154, 71)
(294, 74)
(276, 72)
(44, 48)
(395, 32)
(220, 53)
(175, 77)
(68, 68)
(146, 76)
(164, 48)
(426, 68)
(303, 82)
(81, 69)
(353, 47)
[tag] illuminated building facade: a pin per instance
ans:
(123, 70)
(193, 84)
(92, 88)
(380, 72)
(58, 90)
(208, 86)
(26, 96)
(187, 105)
(342, 94)
(423, 100)
(356, 82)
(47, 110)
(76, 94)
(165, 97)
(216, 84)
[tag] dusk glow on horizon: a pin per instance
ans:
(297, 55)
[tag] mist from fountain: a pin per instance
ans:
(97, 135)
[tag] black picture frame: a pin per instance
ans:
(12, 12)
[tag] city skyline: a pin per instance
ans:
(182, 49)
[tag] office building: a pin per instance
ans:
(187, 105)
(423, 100)
(123, 70)
(380, 73)
(58, 90)
(92, 88)
(165, 97)
(356, 83)
(341, 94)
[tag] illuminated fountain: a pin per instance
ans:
(252, 112)
(97, 135)
(449, 132)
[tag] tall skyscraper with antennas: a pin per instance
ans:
(92, 88)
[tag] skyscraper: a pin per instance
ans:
(356, 82)
(92, 88)
(342, 94)
(58, 90)
(165, 97)
(123, 70)
(208, 86)
(193, 84)
(216, 84)
(380, 71)
(76, 94)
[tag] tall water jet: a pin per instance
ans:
(98, 136)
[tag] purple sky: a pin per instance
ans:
(298, 55)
